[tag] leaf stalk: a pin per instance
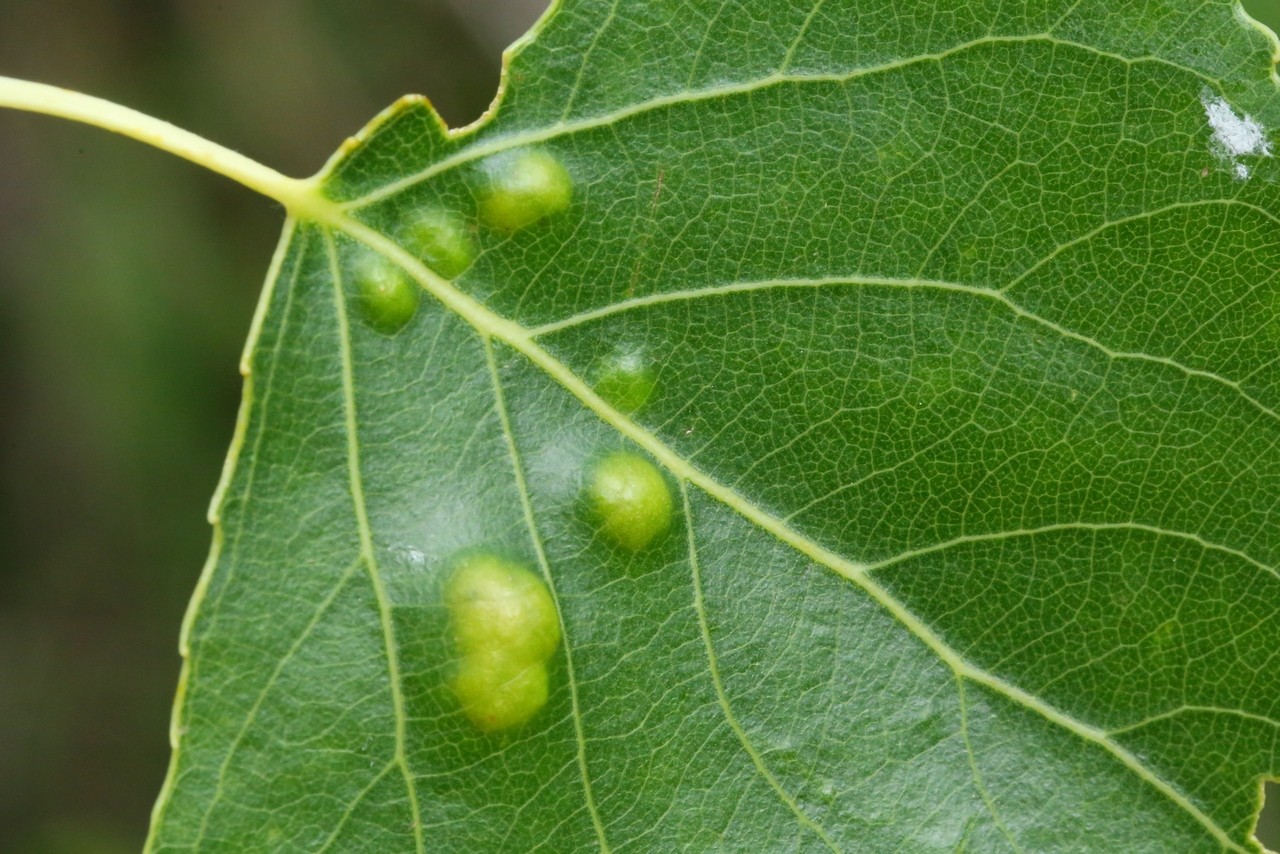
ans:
(298, 195)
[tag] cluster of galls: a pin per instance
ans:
(515, 190)
(504, 622)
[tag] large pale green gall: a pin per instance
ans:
(522, 187)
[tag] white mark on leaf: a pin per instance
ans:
(1235, 135)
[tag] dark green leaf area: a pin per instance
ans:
(1185, 284)
(882, 418)
(873, 724)
(281, 609)
(1145, 634)
(410, 135)
(967, 169)
(579, 65)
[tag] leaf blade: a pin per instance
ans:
(868, 276)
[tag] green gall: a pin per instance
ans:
(441, 239)
(522, 187)
(387, 297)
(625, 381)
(495, 603)
(506, 628)
(630, 499)
(497, 692)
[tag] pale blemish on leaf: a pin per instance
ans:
(1234, 135)
(625, 380)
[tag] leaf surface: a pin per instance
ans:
(963, 330)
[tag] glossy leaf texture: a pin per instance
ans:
(955, 328)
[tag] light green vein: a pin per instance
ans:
(803, 31)
(484, 149)
(690, 294)
(515, 336)
(366, 539)
(713, 667)
(696, 57)
(656, 299)
(1194, 709)
(1114, 223)
(1073, 526)
(527, 505)
(978, 194)
(973, 768)
(1067, 14)
(586, 60)
(351, 807)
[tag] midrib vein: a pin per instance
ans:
(492, 325)
(366, 540)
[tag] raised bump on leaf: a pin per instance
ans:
(505, 627)
(441, 239)
(498, 692)
(387, 297)
(494, 602)
(630, 498)
(625, 380)
(522, 187)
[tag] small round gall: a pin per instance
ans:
(625, 381)
(441, 239)
(388, 298)
(630, 499)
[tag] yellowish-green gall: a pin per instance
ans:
(441, 239)
(388, 297)
(496, 603)
(522, 187)
(505, 628)
(630, 498)
(497, 692)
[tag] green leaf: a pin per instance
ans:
(958, 330)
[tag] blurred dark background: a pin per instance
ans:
(127, 282)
